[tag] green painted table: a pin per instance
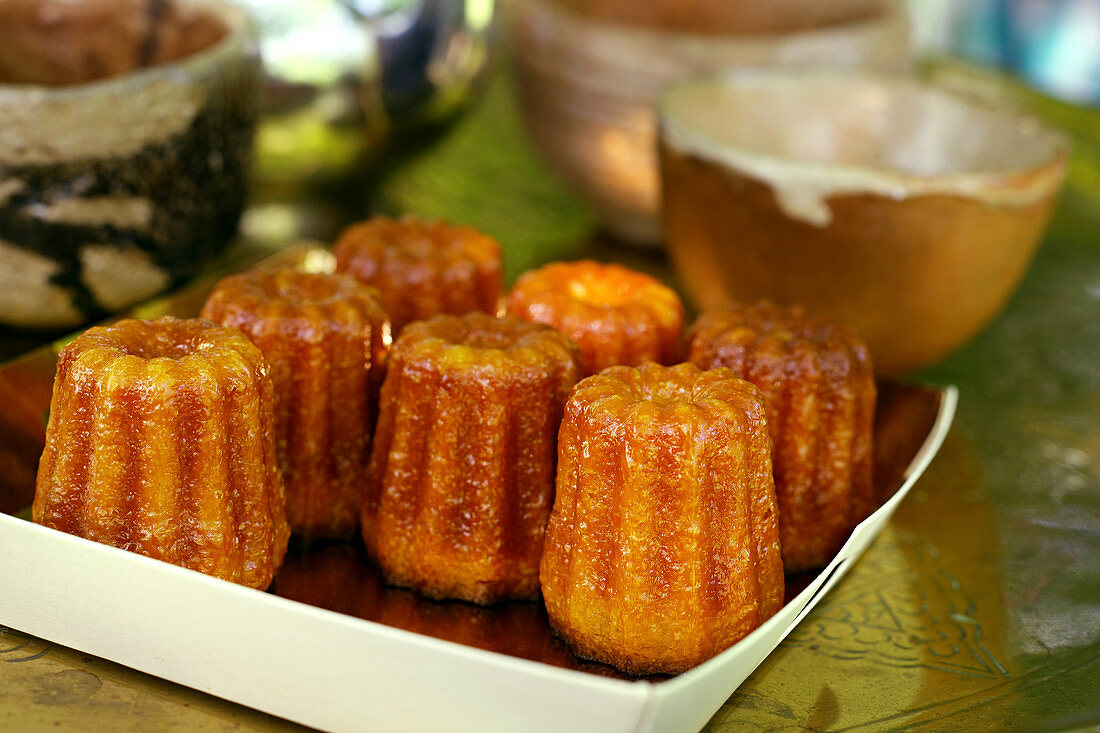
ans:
(978, 608)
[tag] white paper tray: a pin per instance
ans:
(341, 673)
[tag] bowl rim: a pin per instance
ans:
(239, 37)
(891, 13)
(1006, 184)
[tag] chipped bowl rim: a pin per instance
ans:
(1012, 184)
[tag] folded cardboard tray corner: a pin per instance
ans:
(337, 672)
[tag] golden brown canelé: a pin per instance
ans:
(616, 315)
(161, 441)
(819, 388)
(462, 471)
(323, 337)
(423, 268)
(663, 545)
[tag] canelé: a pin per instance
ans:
(616, 315)
(462, 471)
(663, 545)
(161, 440)
(819, 388)
(323, 336)
(423, 268)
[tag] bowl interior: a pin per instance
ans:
(713, 17)
(878, 123)
(69, 42)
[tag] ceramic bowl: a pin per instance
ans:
(908, 211)
(588, 74)
(125, 139)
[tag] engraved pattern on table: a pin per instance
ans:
(928, 621)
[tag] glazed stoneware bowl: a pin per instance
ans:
(125, 139)
(908, 211)
(589, 72)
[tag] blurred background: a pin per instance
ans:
(443, 108)
(1053, 45)
(358, 90)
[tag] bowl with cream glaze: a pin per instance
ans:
(125, 142)
(908, 211)
(588, 74)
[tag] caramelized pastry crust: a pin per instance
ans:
(462, 472)
(161, 441)
(423, 268)
(819, 388)
(323, 337)
(663, 545)
(616, 315)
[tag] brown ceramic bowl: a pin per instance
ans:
(588, 74)
(909, 212)
(125, 141)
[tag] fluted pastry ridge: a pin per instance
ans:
(819, 388)
(663, 548)
(616, 315)
(324, 338)
(161, 441)
(462, 471)
(423, 268)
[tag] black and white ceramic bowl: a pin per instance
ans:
(125, 142)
